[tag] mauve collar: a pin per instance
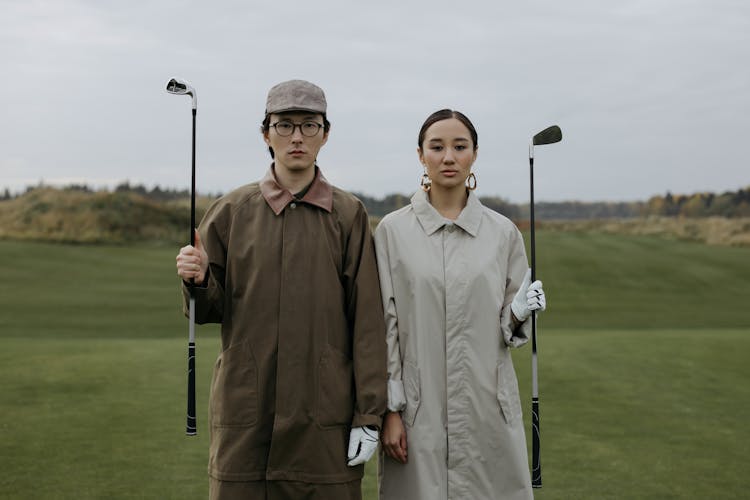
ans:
(319, 194)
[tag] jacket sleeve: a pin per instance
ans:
(396, 397)
(209, 298)
(518, 334)
(365, 316)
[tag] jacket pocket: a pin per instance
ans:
(335, 394)
(507, 391)
(412, 390)
(234, 388)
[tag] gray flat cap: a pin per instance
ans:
(296, 95)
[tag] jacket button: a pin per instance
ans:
(293, 205)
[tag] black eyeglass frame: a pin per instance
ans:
(295, 125)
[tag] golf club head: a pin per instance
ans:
(549, 135)
(178, 86)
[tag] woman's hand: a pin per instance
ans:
(530, 297)
(394, 437)
(192, 261)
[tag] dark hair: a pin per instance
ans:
(445, 114)
(266, 125)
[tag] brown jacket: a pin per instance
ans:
(294, 285)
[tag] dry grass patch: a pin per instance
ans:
(709, 230)
(48, 214)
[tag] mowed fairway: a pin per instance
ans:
(644, 379)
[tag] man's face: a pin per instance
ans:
(298, 150)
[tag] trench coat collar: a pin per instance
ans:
(319, 194)
(431, 220)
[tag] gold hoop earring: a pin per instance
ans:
(471, 182)
(425, 182)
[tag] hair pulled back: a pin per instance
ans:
(445, 114)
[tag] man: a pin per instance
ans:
(287, 266)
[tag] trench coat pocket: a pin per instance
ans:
(335, 395)
(507, 392)
(412, 390)
(234, 388)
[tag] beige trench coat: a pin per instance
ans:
(447, 288)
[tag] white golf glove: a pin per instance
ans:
(530, 297)
(363, 441)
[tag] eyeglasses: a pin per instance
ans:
(286, 128)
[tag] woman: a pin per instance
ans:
(456, 292)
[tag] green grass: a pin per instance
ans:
(599, 281)
(643, 378)
(642, 414)
(99, 418)
(107, 292)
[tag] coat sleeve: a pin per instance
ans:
(365, 316)
(514, 335)
(209, 299)
(396, 397)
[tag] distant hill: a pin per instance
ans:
(83, 216)
(77, 214)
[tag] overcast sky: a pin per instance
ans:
(651, 95)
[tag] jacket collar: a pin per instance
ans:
(431, 220)
(319, 194)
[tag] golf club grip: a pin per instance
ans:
(536, 470)
(191, 429)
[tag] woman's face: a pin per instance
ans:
(447, 153)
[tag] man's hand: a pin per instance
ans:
(192, 261)
(530, 297)
(363, 441)
(394, 437)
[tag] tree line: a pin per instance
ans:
(727, 204)
(155, 193)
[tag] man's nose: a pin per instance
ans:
(297, 133)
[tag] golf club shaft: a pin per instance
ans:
(536, 471)
(531, 220)
(191, 427)
(192, 189)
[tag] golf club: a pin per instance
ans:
(177, 86)
(549, 135)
